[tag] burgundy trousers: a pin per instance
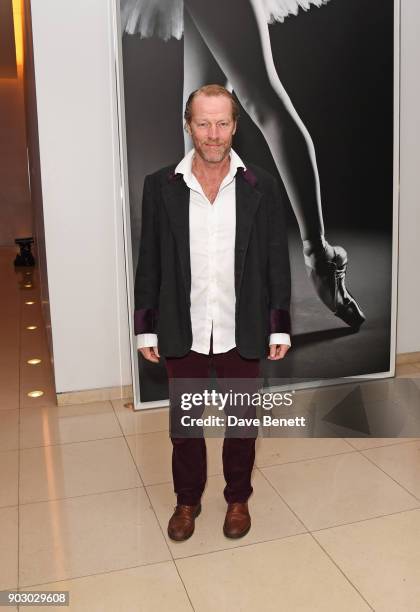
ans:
(189, 456)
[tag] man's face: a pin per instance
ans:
(212, 127)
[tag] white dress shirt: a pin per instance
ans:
(212, 257)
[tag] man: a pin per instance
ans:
(212, 287)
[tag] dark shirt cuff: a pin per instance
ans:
(145, 321)
(279, 321)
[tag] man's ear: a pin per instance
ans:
(234, 129)
(187, 128)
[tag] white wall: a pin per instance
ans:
(408, 328)
(74, 75)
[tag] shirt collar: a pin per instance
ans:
(185, 165)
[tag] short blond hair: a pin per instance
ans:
(210, 90)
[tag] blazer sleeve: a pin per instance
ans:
(147, 279)
(278, 264)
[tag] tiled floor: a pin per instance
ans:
(86, 493)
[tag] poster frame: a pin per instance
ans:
(122, 170)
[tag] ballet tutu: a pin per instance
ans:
(165, 18)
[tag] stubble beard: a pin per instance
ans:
(213, 156)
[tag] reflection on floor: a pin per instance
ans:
(86, 493)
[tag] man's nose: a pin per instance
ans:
(213, 132)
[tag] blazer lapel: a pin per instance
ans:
(176, 197)
(247, 202)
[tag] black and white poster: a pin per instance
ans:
(316, 83)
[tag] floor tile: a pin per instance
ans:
(80, 468)
(381, 557)
(401, 462)
(42, 425)
(41, 352)
(9, 353)
(413, 357)
(292, 574)
(31, 314)
(270, 517)
(139, 589)
(273, 451)
(91, 534)
(9, 429)
(140, 421)
(10, 394)
(407, 370)
(365, 443)
(152, 453)
(33, 338)
(38, 377)
(8, 548)
(379, 389)
(340, 489)
(9, 461)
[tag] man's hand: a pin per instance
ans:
(150, 353)
(277, 351)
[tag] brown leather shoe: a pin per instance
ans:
(237, 521)
(182, 522)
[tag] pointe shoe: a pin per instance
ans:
(328, 277)
(182, 522)
(237, 520)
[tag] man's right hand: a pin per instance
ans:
(150, 353)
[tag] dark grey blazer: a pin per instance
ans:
(262, 270)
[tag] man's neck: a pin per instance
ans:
(210, 171)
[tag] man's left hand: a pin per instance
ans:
(277, 351)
